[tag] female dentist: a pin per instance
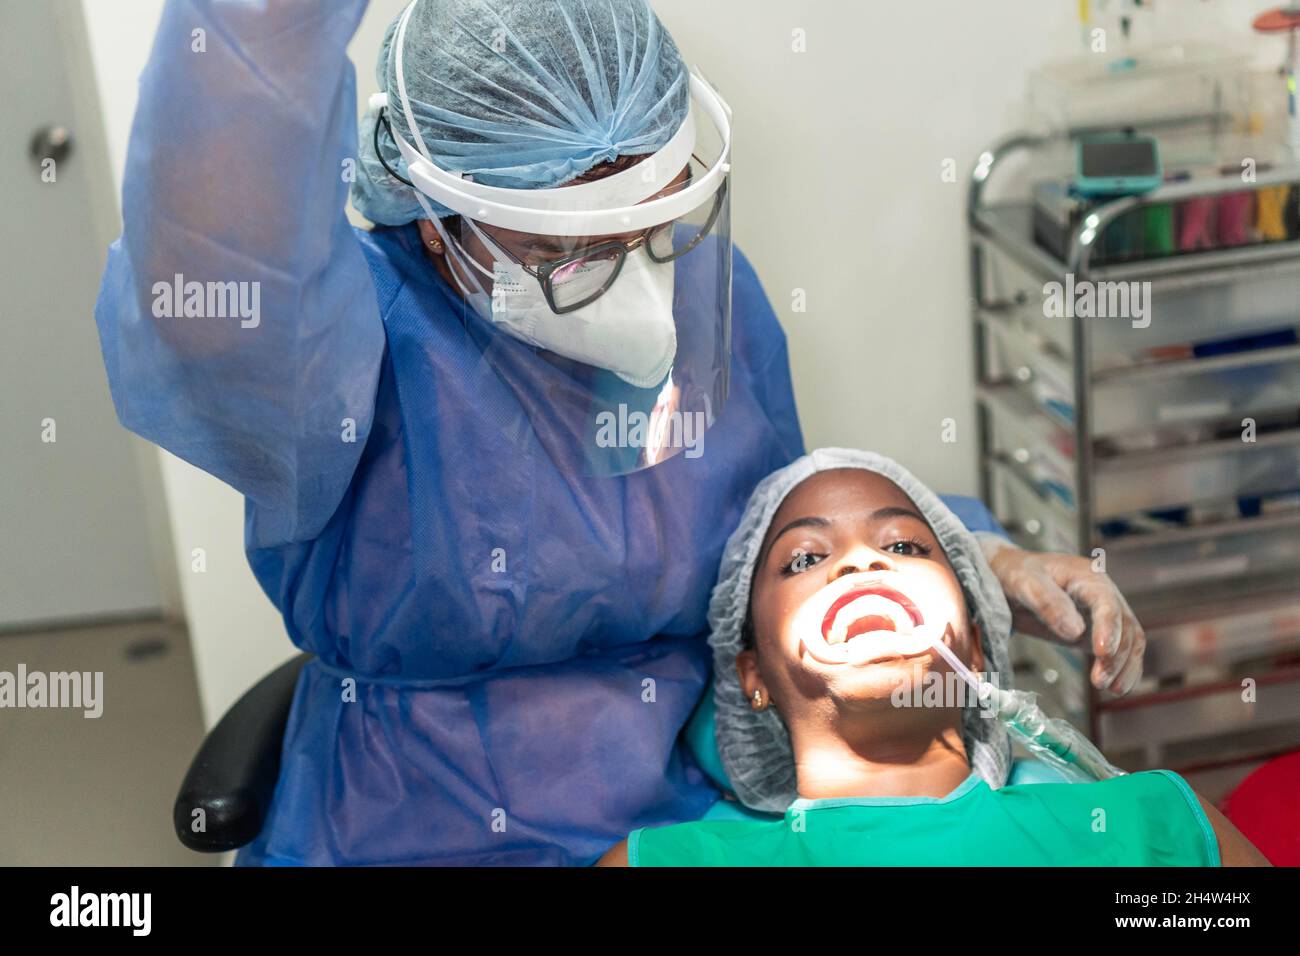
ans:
(492, 449)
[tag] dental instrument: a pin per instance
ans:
(1052, 740)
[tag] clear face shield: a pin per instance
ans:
(604, 305)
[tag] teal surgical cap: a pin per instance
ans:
(521, 94)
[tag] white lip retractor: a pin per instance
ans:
(841, 644)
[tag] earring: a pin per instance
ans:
(758, 700)
(435, 245)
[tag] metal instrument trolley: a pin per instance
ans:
(1130, 444)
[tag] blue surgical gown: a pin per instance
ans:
(506, 651)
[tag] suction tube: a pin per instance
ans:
(1054, 741)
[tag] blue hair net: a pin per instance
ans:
(522, 95)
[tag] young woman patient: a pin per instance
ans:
(842, 568)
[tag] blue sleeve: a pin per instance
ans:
(237, 316)
(973, 514)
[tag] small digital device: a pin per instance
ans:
(1117, 164)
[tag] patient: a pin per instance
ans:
(841, 568)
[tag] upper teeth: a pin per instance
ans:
(864, 606)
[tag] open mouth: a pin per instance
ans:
(868, 609)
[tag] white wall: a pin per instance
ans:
(837, 187)
(837, 192)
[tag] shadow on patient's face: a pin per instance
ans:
(849, 588)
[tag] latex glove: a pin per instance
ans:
(1047, 593)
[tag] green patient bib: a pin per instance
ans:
(1142, 819)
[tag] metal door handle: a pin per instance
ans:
(51, 142)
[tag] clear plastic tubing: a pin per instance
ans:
(1056, 741)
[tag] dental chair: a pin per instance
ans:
(233, 776)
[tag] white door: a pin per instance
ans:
(74, 540)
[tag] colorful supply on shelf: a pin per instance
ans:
(1233, 215)
(1272, 339)
(1123, 238)
(1196, 224)
(1158, 230)
(1270, 217)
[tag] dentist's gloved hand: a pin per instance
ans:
(1047, 593)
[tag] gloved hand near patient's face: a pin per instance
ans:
(1049, 595)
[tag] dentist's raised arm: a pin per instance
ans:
(237, 316)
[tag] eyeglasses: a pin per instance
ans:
(579, 278)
